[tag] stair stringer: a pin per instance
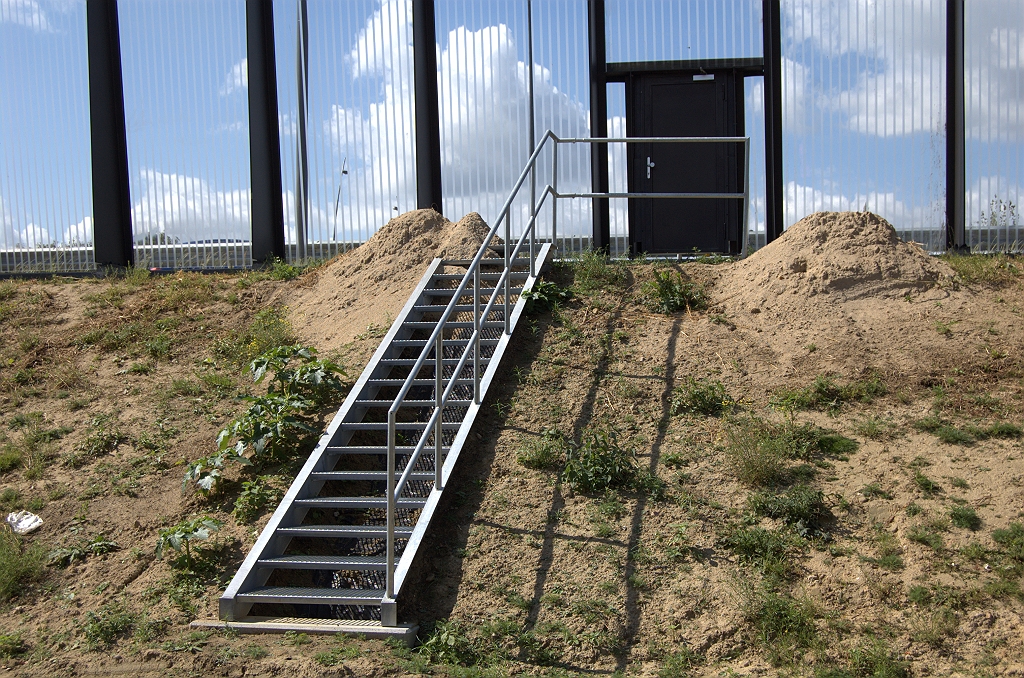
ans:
(427, 513)
(269, 543)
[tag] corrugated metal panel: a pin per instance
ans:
(45, 180)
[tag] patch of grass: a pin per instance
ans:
(801, 505)
(875, 428)
(545, 296)
(766, 550)
(268, 329)
(758, 452)
(337, 655)
(876, 660)
(928, 486)
(989, 269)
(926, 536)
(875, 491)
(104, 435)
(825, 394)
(670, 292)
(545, 453)
(914, 509)
(702, 398)
(449, 643)
(783, 626)
(890, 555)
(965, 517)
(959, 483)
(103, 627)
(11, 645)
(594, 271)
(20, 565)
(681, 662)
(1012, 540)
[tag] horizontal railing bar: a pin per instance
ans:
(650, 140)
(651, 195)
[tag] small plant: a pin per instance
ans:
(1012, 541)
(826, 394)
(599, 463)
(256, 495)
(681, 662)
(914, 509)
(890, 555)
(783, 625)
(66, 555)
(103, 438)
(545, 453)
(269, 328)
(801, 506)
(928, 486)
(337, 656)
(670, 292)
(11, 645)
(545, 296)
(103, 627)
(875, 428)
(192, 642)
(449, 644)
(965, 517)
(19, 565)
(593, 271)
(926, 536)
(707, 399)
(298, 373)
(945, 329)
(180, 537)
(767, 550)
(875, 491)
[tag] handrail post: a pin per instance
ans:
(554, 202)
(508, 266)
(390, 556)
(477, 326)
(438, 372)
(746, 195)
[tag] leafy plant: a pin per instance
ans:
(707, 399)
(767, 550)
(11, 645)
(269, 328)
(546, 453)
(180, 537)
(1012, 541)
(801, 506)
(256, 495)
(545, 296)
(782, 625)
(826, 394)
(449, 644)
(103, 627)
(600, 463)
(965, 517)
(670, 292)
(66, 555)
(316, 381)
(594, 271)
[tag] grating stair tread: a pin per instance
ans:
(344, 531)
(359, 502)
(363, 475)
(324, 562)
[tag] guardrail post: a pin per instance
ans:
(389, 591)
(554, 195)
(438, 372)
(508, 267)
(477, 326)
(746, 195)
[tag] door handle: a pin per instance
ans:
(649, 166)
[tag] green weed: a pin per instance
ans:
(180, 537)
(594, 271)
(926, 536)
(681, 662)
(545, 296)
(670, 292)
(19, 565)
(11, 645)
(766, 550)
(707, 399)
(600, 463)
(875, 491)
(1012, 541)
(965, 517)
(783, 626)
(545, 453)
(928, 486)
(257, 495)
(103, 627)
(801, 506)
(826, 394)
(268, 329)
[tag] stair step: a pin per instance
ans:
(360, 502)
(369, 628)
(365, 475)
(468, 292)
(427, 363)
(402, 425)
(420, 343)
(374, 450)
(412, 403)
(458, 308)
(415, 382)
(516, 275)
(430, 325)
(324, 562)
(345, 531)
(488, 261)
(313, 596)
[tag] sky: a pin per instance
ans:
(864, 109)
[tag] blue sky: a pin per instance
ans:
(864, 106)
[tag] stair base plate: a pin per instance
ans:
(405, 633)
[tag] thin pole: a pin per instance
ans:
(438, 371)
(533, 139)
(477, 324)
(390, 590)
(554, 201)
(302, 171)
(955, 178)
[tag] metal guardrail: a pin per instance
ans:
(528, 239)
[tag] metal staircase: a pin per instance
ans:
(336, 552)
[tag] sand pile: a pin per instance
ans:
(370, 284)
(847, 255)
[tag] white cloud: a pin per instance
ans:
(897, 51)
(186, 209)
(237, 78)
(28, 13)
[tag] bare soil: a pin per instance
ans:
(532, 577)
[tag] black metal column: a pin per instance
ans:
(598, 122)
(428, 121)
(267, 206)
(111, 200)
(771, 20)
(956, 183)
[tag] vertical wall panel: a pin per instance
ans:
(45, 180)
(994, 123)
(185, 79)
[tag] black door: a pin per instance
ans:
(685, 105)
